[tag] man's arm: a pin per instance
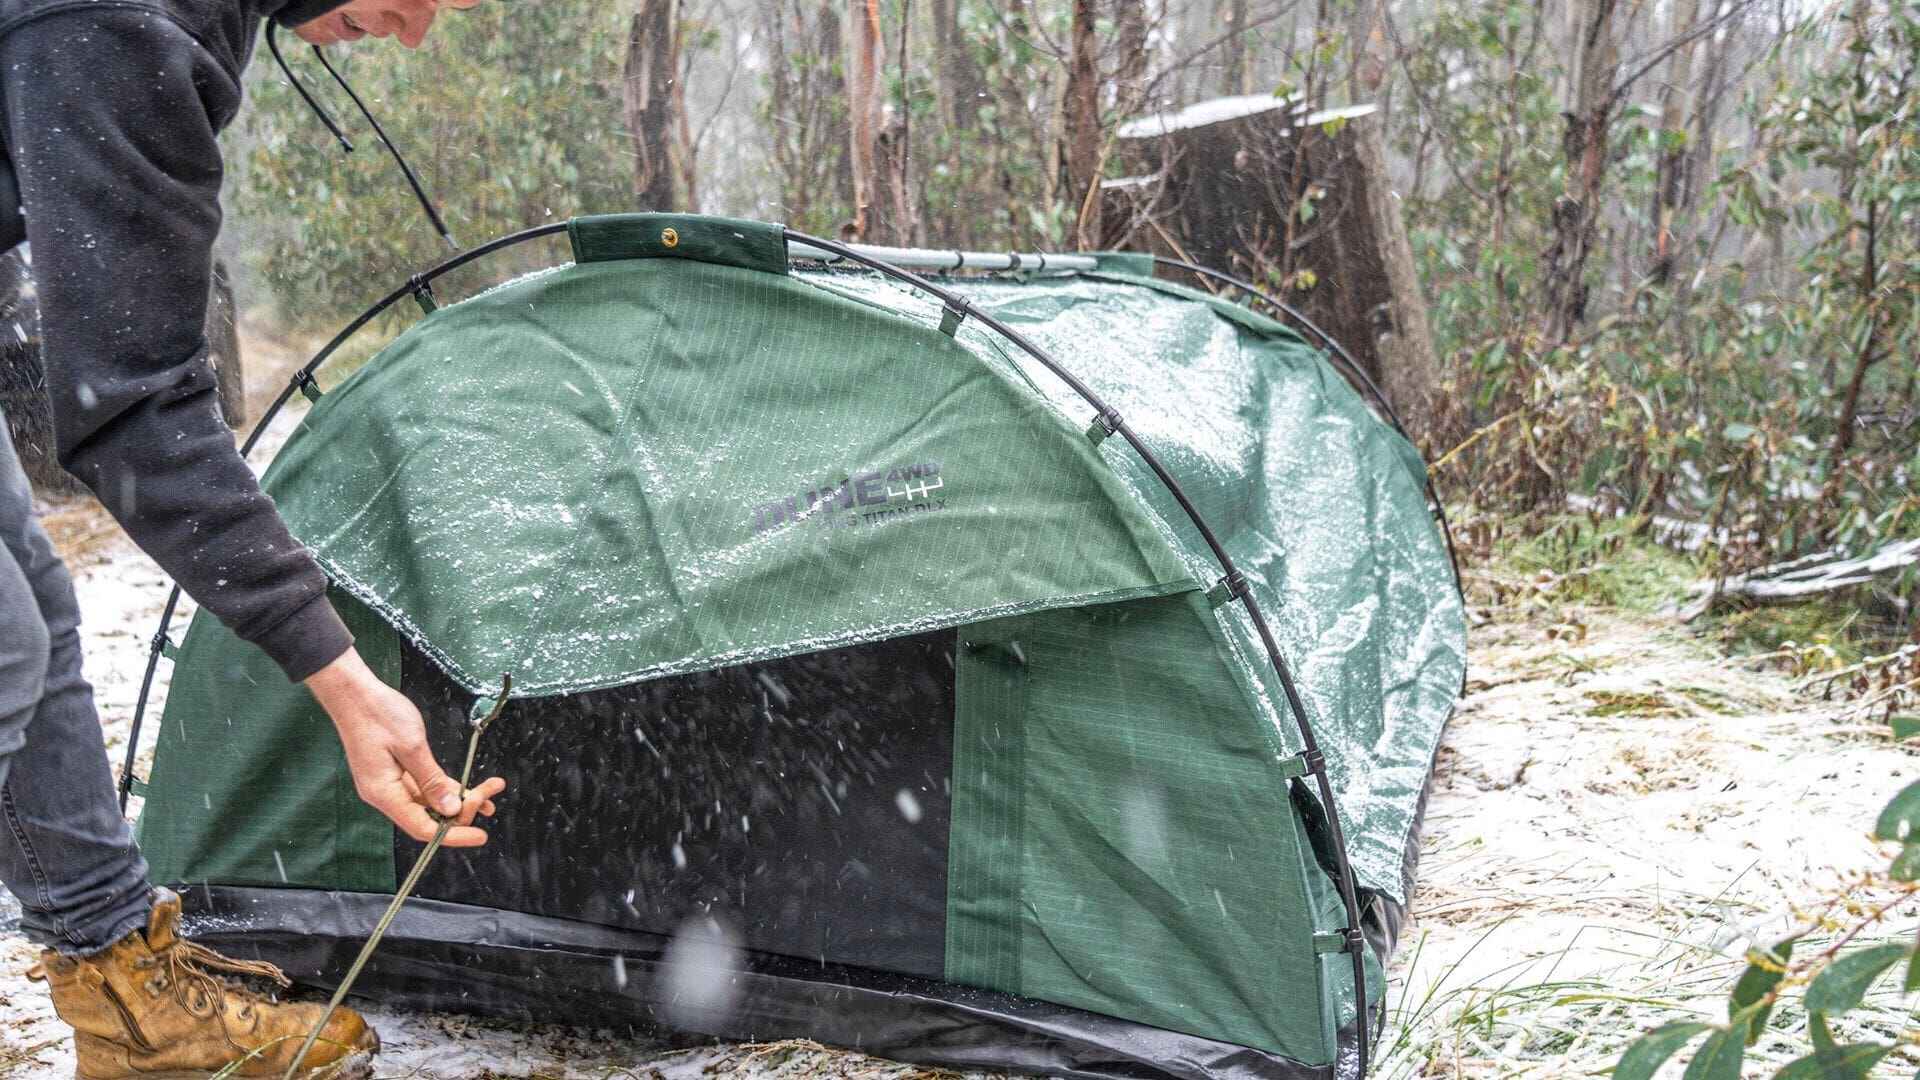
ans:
(111, 115)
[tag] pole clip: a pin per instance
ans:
(1353, 940)
(422, 294)
(1231, 587)
(303, 381)
(1105, 423)
(1315, 759)
(953, 312)
(163, 645)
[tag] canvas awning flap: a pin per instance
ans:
(633, 468)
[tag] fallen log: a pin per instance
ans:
(1811, 575)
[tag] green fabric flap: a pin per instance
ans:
(750, 245)
(249, 785)
(628, 469)
(1112, 841)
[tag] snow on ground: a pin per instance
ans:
(1615, 817)
(1617, 809)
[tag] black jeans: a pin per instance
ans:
(67, 853)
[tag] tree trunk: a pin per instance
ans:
(1130, 41)
(1589, 117)
(655, 107)
(1082, 123)
(1670, 181)
(1233, 80)
(959, 99)
(863, 108)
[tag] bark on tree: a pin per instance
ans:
(863, 109)
(1082, 126)
(656, 110)
(1589, 117)
(1670, 189)
(959, 99)
(1233, 80)
(1130, 43)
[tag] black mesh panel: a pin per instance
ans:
(802, 804)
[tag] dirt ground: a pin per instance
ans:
(1618, 811)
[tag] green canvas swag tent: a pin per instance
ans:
(928, 665)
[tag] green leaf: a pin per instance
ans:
(1652, 1050)
(1913, 972)
(1854, 1062)
(1720, 1057)
(1822, 1035)
(1845, 981)
(1906, 865)
(1902, 815)
(1764, 972)
(1739, 432)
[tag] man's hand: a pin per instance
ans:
(393, 767)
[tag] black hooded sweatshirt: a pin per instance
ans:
(108, 113)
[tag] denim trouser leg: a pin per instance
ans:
(66, 852)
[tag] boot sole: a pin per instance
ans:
(355, 1066)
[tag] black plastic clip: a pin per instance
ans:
(303, 379)
(422, 294)
(1353, 941)
(1105, 424)
(164, 645)
(953, 312)
(1315, 759)
(1232, 587)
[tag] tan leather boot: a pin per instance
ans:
(152, 1007)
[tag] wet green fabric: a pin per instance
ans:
(1320, 504)
(631, 469)
(249, 784)
(1122, 837)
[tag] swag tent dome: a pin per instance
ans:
(1036, 671)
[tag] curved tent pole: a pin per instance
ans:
(956, 308)
(1352, 368)
(301, 381)
(1109, 420)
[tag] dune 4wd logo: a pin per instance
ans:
(871, 498)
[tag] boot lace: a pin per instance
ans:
(193, 972)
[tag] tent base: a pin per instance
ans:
(465, 958)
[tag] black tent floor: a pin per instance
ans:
(466, 958)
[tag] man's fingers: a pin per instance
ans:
(408, 815)
(436, 788)
(479, 799)
(464, 836)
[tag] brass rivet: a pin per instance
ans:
(670, 238)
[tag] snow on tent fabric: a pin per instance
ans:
(836, 638)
